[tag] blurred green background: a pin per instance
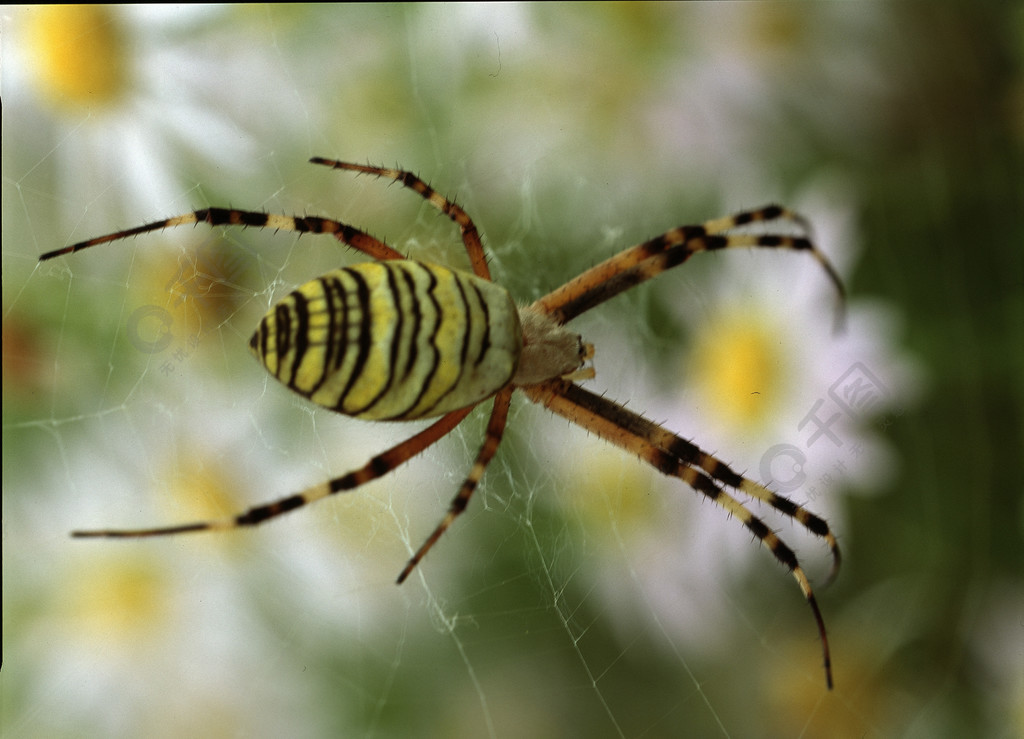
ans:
(579, 595)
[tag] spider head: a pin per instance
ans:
(550, 350)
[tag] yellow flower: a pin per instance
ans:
(738, 366)
(119, 599)
(78, 54)
(612, 488)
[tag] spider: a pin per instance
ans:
(400, 339)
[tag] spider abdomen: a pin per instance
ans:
(392, 340)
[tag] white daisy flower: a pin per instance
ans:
(767, 385)
(126, 105)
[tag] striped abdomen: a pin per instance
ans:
(392, 340)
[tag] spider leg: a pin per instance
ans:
(647, 440)
(492, 439)
(231, 217)
(377, 467)
(640, 263)
(690, 454)
(764, 213)
(470, 234)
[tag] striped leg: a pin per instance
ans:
(691, 455)
(675, 457)
(470, 234)
(377, 467)
(495, 430)
(649, 259)
(230, 217)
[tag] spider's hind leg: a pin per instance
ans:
(233, 217)
(377, 467)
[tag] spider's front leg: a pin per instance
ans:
(640, 263)
(673, 456)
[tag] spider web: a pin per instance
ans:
(580, 594)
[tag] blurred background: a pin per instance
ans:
(581, 593)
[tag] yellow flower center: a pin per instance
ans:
(119, 600)
(181, 298)
(739, 368)
(201, 487)
(78, 54)
(612, 488)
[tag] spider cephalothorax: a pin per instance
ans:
(400, 339)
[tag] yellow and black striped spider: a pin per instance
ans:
(400, 339)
